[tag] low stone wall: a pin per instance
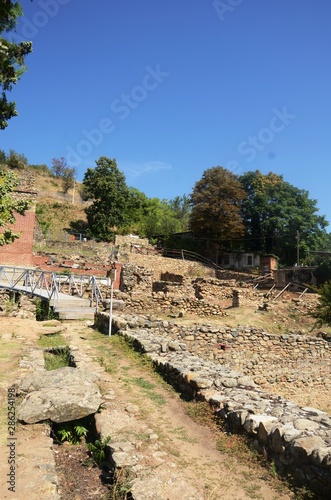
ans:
(128, 240)
(161, 265)
(297, 439)
(16, 305)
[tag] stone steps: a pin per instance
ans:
(75, 312)
(68, 301)
(74, 308)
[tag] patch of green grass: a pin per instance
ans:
(125, 368)
(57, 359)
(109, 368)
(143, 383)
(147, 389)
(52, 340)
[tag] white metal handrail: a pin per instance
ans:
(49, 284)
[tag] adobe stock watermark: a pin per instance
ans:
(29, 28)
(224, 7)
(254, 144)
(121, 107)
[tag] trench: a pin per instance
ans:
(79, 447)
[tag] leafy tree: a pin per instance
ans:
(323, 272)
(8, 206)
(16, 160)
(12, 57)
(150, 217)
(216, 206)
(68, 179)
(3, 157)
(61, 170)
(279, 216)
(105, 185)
(137, 211)
(181, 207)
(59, 166)
(322, 312)
(159, 219)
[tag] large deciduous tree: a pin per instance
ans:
(8, 206)
(216, 206)
(159, 219)
(280, 218)
(12, 57)
(106, 187)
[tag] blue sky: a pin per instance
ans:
(172, 87)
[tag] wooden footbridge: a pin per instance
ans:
(72, 296)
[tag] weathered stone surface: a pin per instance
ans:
(276, 440)
(118, 305)
(246, 381)
(304, 424)
(264, 430)
(59, 395)
(303, 447)
(252, 422)
(321, 455)
(229, 382)
(237, 419)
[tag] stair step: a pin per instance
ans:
(75, 315)
(74, 309)
(71, 302)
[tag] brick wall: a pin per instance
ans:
(19, 253)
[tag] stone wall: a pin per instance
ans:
(16, 305)
(179, 293)
(297, 439)
(293, 362)
(162, 265)
(127, 241)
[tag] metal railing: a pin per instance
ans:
(81, 284)
(188, 255)
(49, 285)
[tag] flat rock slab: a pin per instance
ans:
(59, 395)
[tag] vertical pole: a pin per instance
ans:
(298, 249)
(112, 278)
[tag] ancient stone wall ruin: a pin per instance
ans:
(201, 362)
(164, 291)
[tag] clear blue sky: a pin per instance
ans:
(172, 87)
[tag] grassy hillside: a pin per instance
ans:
(57, 211)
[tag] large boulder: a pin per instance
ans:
(59, 395)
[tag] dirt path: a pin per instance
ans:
(181, 459)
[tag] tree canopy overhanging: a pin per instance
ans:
(12, 58)
(8, 205)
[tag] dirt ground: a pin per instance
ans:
(190, 449)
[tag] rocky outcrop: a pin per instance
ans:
(59, 395)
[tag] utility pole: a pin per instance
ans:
(298, 248)
(73, 192)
